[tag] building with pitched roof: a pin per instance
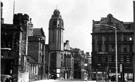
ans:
(36, 54)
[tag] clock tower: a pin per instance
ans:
(56, 27)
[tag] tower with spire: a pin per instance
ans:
(56, 28)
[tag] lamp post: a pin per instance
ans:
(116, 62)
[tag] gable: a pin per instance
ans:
(38, 32)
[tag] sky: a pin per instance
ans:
(77, 15)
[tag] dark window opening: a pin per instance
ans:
(54, 22)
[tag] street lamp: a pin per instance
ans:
(116, 62)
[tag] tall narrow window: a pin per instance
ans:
(128, 48)
(125, 48)
(99, 47)
(103, 48)
(113, 48)
(122, 49)
(110, 47)
(125, 38)
(103, 39)
(99, 38)
(96, 47)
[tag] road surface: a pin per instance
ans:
(62, 81)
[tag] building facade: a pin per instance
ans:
(67, 61)
(78, 63)
(103, 47)
(14, 45)
(36, 54)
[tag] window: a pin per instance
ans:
(110, 48)
(122, 50)
(119, 48)
(103, 48)
(110, 58)
(99, 38)
(119, 38)
(125, 48)
(128, 26)
(125, 38)
(95, 39)
(103, 38)
(99, 48)
(128, 59)
(54, 22)
(121, 59)
(96, 47)
(103, 59)
(111, 38)
(130, 38)
(113, 48)
(128, 48)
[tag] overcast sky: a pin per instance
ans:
(77, 15)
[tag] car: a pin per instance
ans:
(6, 78)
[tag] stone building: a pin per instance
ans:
(67, 61)
(14, 45)
(103, 47)
(36, 54)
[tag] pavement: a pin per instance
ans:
(51, 80)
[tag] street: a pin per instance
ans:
(62, 81)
